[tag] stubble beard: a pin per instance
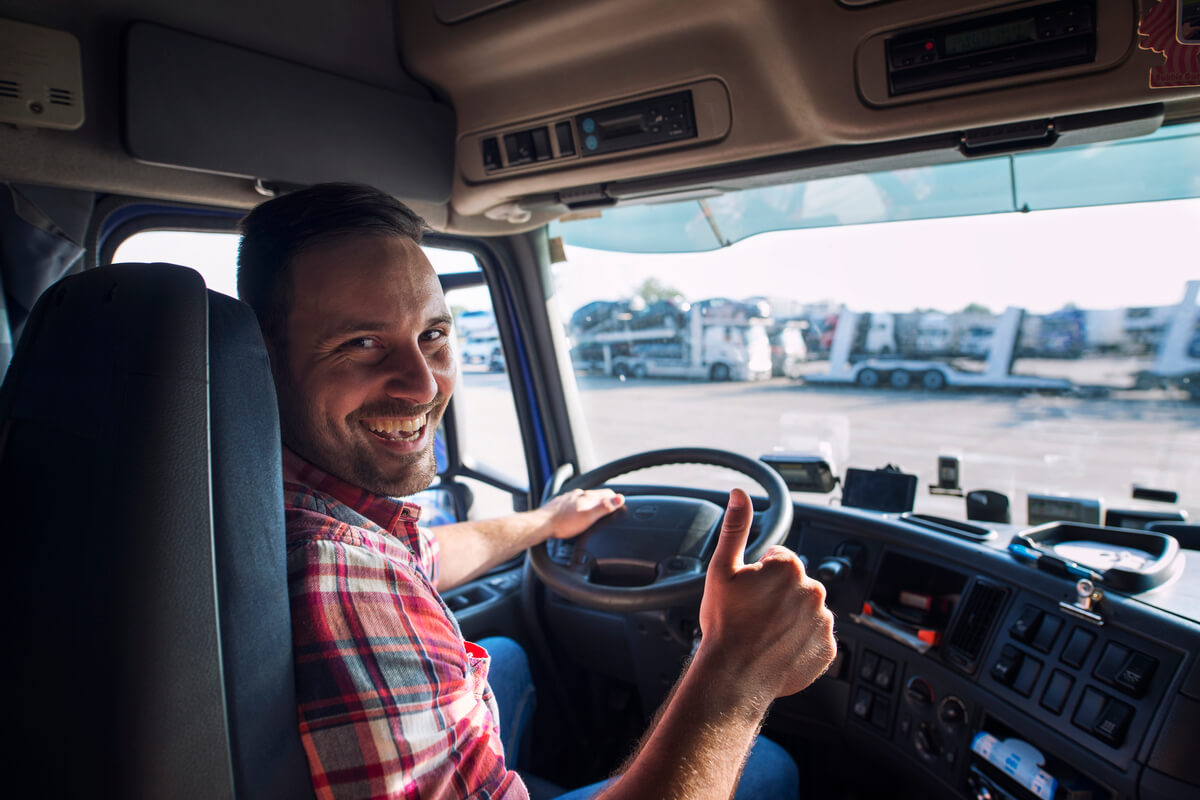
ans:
(332, 446)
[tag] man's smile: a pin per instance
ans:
(396, 429)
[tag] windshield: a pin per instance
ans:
(1033, 317)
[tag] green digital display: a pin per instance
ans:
(957, 44)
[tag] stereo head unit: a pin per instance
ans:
(1026, 40)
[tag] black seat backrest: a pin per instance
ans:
(141, 493)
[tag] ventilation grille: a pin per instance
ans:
(61, 97)
(10, 89)
(973, 623)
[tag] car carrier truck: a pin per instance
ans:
(932, 374)
(713, 339)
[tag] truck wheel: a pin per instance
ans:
(719, 372)
(620, 370)
(639, 370)
(496, 362)
(900, 379)
(933, 380)
(868, 378)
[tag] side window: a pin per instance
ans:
(481, 461)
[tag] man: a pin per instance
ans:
(392, 701)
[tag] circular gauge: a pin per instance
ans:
(1100, 556)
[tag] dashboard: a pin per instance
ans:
(979, 671)
(1006, 670)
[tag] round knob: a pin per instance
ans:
(952, 711)
(918, 691)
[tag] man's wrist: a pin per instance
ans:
(730, 687)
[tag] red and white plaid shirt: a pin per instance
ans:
(393, 703)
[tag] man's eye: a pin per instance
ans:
(360, 343)
(435, 335)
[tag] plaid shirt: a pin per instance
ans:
(393, 703)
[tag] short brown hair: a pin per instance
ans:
(275, 231)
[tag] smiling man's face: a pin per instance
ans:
(368, 366)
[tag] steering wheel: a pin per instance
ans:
(653, 552)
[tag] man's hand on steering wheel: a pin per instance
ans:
(766, 621)
(573, 512)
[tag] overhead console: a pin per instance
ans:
(681, 116)
(996, 49)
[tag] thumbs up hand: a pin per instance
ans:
(765, 624)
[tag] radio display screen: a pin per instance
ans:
(622, 126)
(970, 41)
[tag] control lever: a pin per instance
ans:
(846, 560)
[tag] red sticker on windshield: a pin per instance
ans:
(1173, 29)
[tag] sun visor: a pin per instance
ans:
(201, 104)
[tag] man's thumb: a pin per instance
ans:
(731, 545)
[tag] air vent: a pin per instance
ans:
(971, 626)
(61, 97)
(10, 89)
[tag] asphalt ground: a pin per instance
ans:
(1014, 443)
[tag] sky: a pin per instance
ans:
(1098, 257)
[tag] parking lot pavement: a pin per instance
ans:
(1012, 443)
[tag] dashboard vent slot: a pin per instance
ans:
(971, 625)
(61, 97)
(10, 89)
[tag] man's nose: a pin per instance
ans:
(410, 377)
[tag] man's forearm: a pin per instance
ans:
(470, 549)
(698, 746)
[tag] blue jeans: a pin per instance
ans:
(770, 772)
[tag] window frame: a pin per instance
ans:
(123, 218)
